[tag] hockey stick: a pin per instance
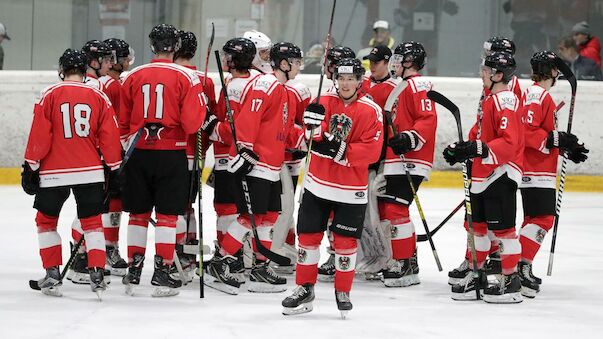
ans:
(449, 105)
(322, 77)
(390, 105)
(277, 258)
(33, 284)
(571, 78)
(423, 237)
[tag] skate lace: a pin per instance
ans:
(464, 265)
(342, 296)
(526, 271)
(394, 265)
(467, 279)
(114, 255)
(298, 292)
(271, 272)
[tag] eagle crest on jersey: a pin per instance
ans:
(302, 255)
(285, 114)
(344, 263)
(394, 232)
(340, 126)
(540, 234)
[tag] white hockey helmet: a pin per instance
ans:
(261, 40)
(262, 45)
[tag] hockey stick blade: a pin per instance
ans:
(449, 105)
(33, 284)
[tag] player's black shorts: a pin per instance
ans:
(538, 201)
(497, 205)
(398, 186)
(265, 195)
(348, 219)
(88, 198)
(157, 179)
(224, 187)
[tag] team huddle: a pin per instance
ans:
(135, 140)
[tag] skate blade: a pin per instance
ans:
(99, 294)
(130, 289)
(509, 298)
(261, 287)
(372, 276)
(402, 282)
(454, 281)
(164, 291)
(528, 292)
(79, 278)
(54, 291)
(326, 278)
(344, 314)
(212, 282)
(301, 309)
(120, 272)
(467, 296)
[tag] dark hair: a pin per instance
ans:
(568, 42)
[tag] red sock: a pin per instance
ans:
(532, 235)
(233, 240)
(482, 243)
(49, 240)
(345, 261)
(165, 237)
(510, 250)
(95, 240)
(307, 259)
(111, 222)
(137, 234)
(404, 241)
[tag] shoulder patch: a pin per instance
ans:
(265, 83)
(420, 84)
(533, 95)
(506, 100)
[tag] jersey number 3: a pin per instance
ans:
(81, 116)
(146, 92)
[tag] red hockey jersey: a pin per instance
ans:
(301, 98)
(360, 125)
(378, 91)
(415, 113)
(72, 122)
(112, 89)
(164, 93)
(500, 127)
(263, 124)
(222, 134)
(538, 112)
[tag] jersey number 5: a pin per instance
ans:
(146, 92)
(81, 116)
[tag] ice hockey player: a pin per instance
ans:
(543, 145)
(326, 271)
(262, 126)
(492, 265)
(236, 57)
(71, 118)
(186, 226)
(99, 60)
(495, 145)
(263, 44)
(348, 132)
(164, 103)
(410, 149)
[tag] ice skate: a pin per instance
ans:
(97, 282)
(115, 263)
(262, 279)
(506, 291)
(529, 286)
(166, 286)
(414, 263)
(400, 274)
(132, 278)
(218, 276)
(465, 288)
(300, 301)
(326, 271)
(51, 283)
(459, 273)
(493, 265)
(344, 305)
(78, 273)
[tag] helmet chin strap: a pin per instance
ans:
(96, 70)
(282, 70)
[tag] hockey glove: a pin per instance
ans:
(298, 154)
(30, 179)
(561, 140)
(330, 147)
(403, 142)
(115, 183)
(211, 120)
(243, 162)
(578, 154)
(463, 151)
(314, 115)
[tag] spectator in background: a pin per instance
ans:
(381, 35)
(313, 59)
(3, 36)
(589, 46)
(583, 68)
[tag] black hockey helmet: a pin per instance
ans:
(188, 45)
(501, 62)
(350, 66)
(412, 51)
(284, 51)
(73, 59)
(337, 53)
(241, 52)
(96, 50)
(499, 44)
(544, 62)
(164, 38)
(119, 46)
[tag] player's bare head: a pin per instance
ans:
(408, 55)
(263, 44)
(72, 62)
(100, 57)
(188, 45)
(334, 55)
(286, 57)
(348, 77)
(237, 54)
(497, 67)
(498, 44)
(124, 54)
(164, 39)
(545, 65)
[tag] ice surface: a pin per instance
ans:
(569, 304)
